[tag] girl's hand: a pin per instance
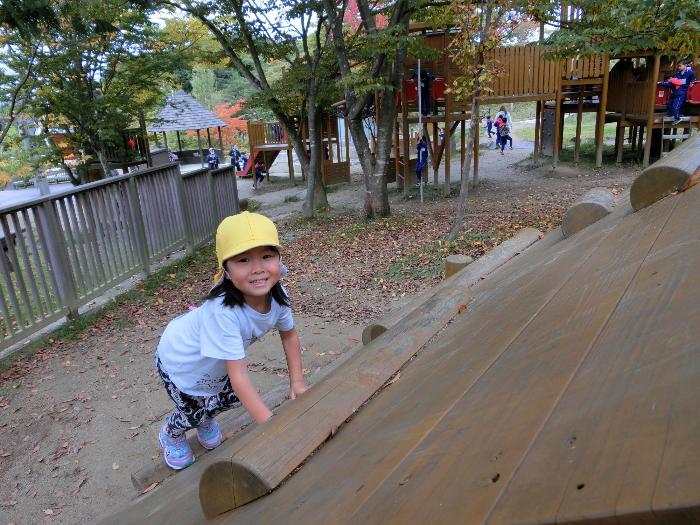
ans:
(296, 389)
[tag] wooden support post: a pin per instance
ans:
(221, 142)
(407, 179)
(556, 139)
(208, 138)
(199, 145)
(650, 109)
(579, 119)
(436, 159)
(165, 140)
(48, 223)
(448, 130)
(538, 125)
(454, 263)
(475, 174)
(633, 138)
(462, 147)
(620, 139)
(640, 139)
(448, 150)
(139, 225)
(397, 156)
(179, 141)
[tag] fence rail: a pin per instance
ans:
(63, 250)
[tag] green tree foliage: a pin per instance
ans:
(254, 34)
(620, 26)
(371, 60)
(98, 66)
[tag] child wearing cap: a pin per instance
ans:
(201, 354)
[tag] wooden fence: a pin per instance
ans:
(63, 250)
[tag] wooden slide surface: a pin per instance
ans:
(567, 392)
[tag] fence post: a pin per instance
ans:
(180, 189)
(57, 254)
(212, 196)
(139, 226)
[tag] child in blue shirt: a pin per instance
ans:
(201, 354)
(679, 85)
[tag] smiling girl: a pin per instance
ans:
(201, 354)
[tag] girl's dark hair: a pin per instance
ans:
(233, 296)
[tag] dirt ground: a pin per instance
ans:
(79, 417)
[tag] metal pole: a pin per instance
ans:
(420, 126)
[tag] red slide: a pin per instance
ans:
(248, 165)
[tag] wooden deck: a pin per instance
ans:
(567, 392)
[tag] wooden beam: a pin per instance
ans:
(650, 109)
(600, 121)
(577, 139)
(556, 139)
(462, 148)
(407, 179)
(199, 145)
(538, 125)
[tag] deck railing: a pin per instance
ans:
(63, 250)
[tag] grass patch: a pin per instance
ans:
(172, 277)
(587, 129)
(397, 221)
(252, 205)
(428, 261)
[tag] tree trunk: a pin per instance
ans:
(466, 168)
(316, 198)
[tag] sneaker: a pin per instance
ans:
(511, 147)
(501, 152)
(176, 451)
(209, 435)
(677, 121)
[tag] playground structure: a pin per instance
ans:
(562, 387)
(558, 86)
(266, 140)
(183, 113)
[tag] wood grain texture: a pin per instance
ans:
(678, 171)
(591, 207)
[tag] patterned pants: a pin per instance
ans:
(192, 411)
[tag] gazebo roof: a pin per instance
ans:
(181, 113)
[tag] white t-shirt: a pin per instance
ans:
(194, 346)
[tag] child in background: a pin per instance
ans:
(201, 354)
(259, 175)
(489, 126)
(212, 159)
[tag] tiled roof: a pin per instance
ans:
(181, 113)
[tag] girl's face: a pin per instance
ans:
(254, 273)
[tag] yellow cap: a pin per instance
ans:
(240, 233)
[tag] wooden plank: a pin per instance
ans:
(31, 274)
(41, 268)
(454, 464)
(649, 107)
(606, 438)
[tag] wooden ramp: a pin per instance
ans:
(568, 392)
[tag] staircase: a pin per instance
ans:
(669, 135)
